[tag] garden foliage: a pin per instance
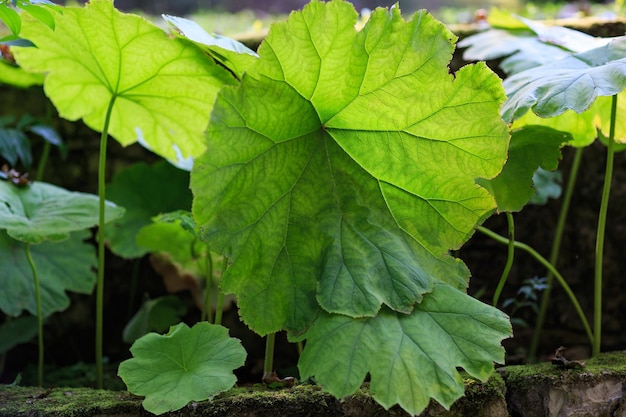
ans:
(338, 170)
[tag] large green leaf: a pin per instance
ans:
(570, 83)
(182, 366)
(410, 358)
(62, 266)
(163, 89)
(42, 211)
(345, 164)
(531, 147)
(146, 190)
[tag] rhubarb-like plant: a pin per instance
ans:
(341, 167)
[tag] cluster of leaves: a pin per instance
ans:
(564, 76)
(339, 168)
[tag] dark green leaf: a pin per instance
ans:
(16, 331)
(146, 190)
(62, 266)
(531, 147)
(155, 315)
(410, 358)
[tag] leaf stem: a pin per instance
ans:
(219, 307)
(268, 363)
(43, 160)
(101, 220)
(208, 283)
(554, 253)
(39, 316)
(509, 259)
(550, 267)
(604, 204)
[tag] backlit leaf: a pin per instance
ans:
(186, 364)
(410, 358)
(343, 167)
(163, 89)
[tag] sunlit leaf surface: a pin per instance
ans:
(342, 169)
(163, 89)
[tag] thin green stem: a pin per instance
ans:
(551, 268)
(554, 253)
(604, 205)
(45, 153)
(509, 259)
(208, 283)
(101, 221)
(268, 363)
(39, 315)
(219, 306)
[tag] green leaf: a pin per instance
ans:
(11, 19)
(42, 14)
(181, 247)
(16, 331)
(15, 146)
(41, 211)
(62, 266)
(410, 358)
(155, 315)
(182, 366)
(232, 54)
(330, 174)
(570, 83)
(16, 76)
(163, 89)
(146, 190)
(531, 147)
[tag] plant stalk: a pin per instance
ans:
(39, 315)
(554, 253)
(604, 204)
(101, 221)
(268, 363)
(551, 268)
(208, 283)
(509, 259)
(219, 307)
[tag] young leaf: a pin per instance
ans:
(141, 189)
(531, 147)
(162, 89)
(232, 54)
(182, 366)
(410, 358)
(354, 167)
(570, 83)
(62, 266)
(43, 211)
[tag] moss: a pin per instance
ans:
(523, 377)
(62, 402)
